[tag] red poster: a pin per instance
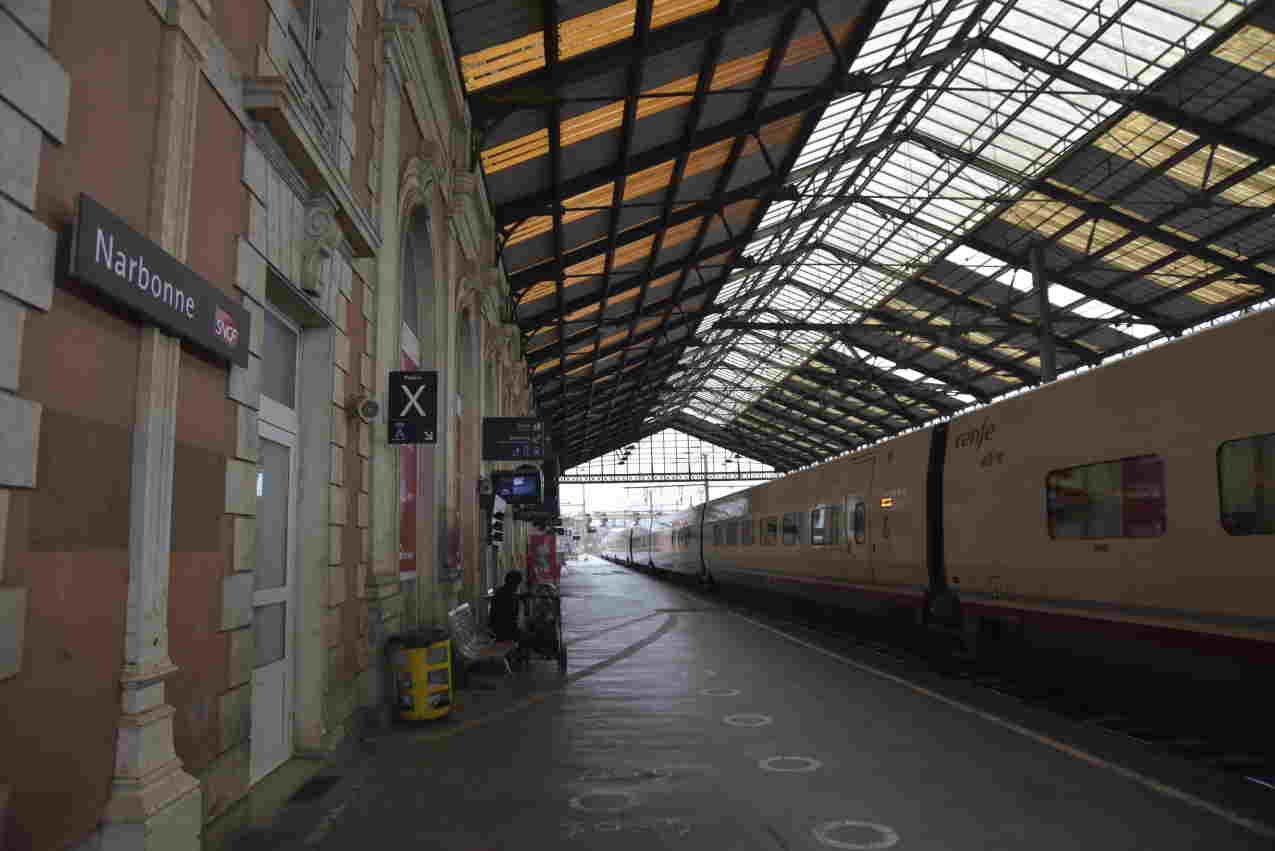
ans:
(407, 487)
(542, 557)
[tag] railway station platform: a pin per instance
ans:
(684, 724)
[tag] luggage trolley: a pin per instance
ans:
(542, 610)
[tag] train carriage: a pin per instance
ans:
(1126, 513)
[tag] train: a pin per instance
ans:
(1125, 513)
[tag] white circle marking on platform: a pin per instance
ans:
(748, 720)
(808, 764)
(579, 802)
(720, 692)
(889, 838)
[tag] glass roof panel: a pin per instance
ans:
(960, 109)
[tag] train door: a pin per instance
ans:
(860, 543)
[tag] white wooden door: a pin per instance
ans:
(273, 601)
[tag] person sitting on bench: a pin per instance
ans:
(503, 619)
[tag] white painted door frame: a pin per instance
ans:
(273, 697)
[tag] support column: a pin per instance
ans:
(380, 573)
(154, 804)
(1040, 285)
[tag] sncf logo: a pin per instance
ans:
(224, 327)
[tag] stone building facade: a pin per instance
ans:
(200, 559)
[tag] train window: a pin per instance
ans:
(1113, 499)
(746, 531)
(825, 524)
(732, 533)
(792, 531)
(717, 534)
(769, 531)
(1246, 485)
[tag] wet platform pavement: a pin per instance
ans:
(681, 724)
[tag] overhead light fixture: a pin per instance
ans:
(855, 83)
(787, 192)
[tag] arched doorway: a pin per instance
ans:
(419, 465)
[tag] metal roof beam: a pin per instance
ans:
(814, 448)
(549, 9)
(952, 339)
(544, 271)
(642, 19)
(889, 384)
(1005, 315)
(741, 445)
(530, 91)
(629, 411)
(807, 372)
(546, 390)
(817, 407)
(826, 380)
(882, 428)
(584, 301)
(1143, 102)
(534, 205)
(1104, 210)
(890, 405)
(770, 409)
(793, 454)
(725, 173)
(723, 247)
(1006, 256)
(620, 345)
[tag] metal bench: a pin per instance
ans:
(476, 646)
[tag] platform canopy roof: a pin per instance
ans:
(795, 228)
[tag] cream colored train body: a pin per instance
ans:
(1127, 512)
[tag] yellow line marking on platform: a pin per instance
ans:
(1260, 828)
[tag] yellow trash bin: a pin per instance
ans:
(422, 676)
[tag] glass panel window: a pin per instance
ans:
(272, 515)
(792, 530)
(269, 633)
(860, 522)
(279, 361)
(825, 525)
(770, 531)
(1113, 499)
(732, 533)
(717, 534)
(746, 531)
(1246, 484)
(408, 303)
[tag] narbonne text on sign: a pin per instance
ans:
(117, 260)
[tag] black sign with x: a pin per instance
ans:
(413, 407)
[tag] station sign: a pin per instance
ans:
(111, 257)
(513, 439)
(413, 406)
